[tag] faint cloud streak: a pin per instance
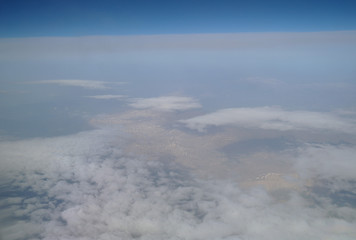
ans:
(106, 97)
(89, 84)
(166, 103)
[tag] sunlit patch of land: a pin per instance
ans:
(153, 134)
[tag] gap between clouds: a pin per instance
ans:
(272, 118)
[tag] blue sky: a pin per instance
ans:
(77, 18)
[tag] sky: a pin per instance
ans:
(81, 18)
(176, 120)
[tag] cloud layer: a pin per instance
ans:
(83, 187)
(166, 103)
(271, 118)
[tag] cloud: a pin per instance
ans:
(76, 83)
(166, 103)
(84, 187)
(105, 97)
(328, 172)
(328, 163)
(271, 118)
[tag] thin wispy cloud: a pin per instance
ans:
(166, 103)
(106, 97)
(271, 118)
(89, 84)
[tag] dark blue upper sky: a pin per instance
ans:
(21, 18)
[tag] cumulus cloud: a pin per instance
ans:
(84, 187)
(105, 97)
(166, 103)
(90, 84)
(271, 118)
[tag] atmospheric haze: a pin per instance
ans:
(206, 136)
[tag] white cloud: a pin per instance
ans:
(329, 173)
(83, 187)
(327, 162)
(105, 97)
(166, 103)
(271, 118)
(76, 83)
